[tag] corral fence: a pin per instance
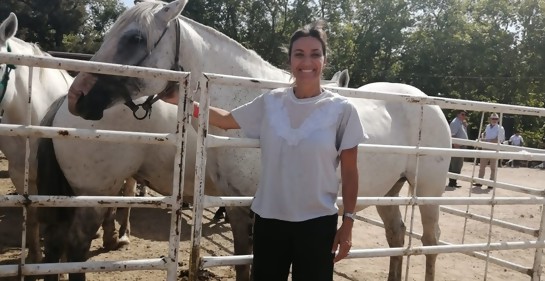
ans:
(170, 261)
(494, 151)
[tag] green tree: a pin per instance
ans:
(100, 16)
(46, 21)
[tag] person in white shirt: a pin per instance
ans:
(516, 140)
(305, 132)
(492, 133)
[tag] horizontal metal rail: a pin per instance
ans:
(481, 256)
(233, 201)
(80, 267)
(92, 67)
(445, 103)
(498, 184)
(160, 202)
(389, 252)
(143, 72)
(219, 141)
(87, 134)
(496, 222)
(494, 146)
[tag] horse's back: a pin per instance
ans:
(47, 86)
(396, 123)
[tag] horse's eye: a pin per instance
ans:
(136, 39)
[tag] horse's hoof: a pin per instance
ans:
(124, 243)
(111, 245)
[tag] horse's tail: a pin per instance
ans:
(50, 178)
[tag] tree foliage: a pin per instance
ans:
(63, 25)
(485, 50)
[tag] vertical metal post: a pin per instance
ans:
(178, 181)
(538, 257)
(471, 183)
(413, 206)
(492, 207)
(200, 172)
(28, 121)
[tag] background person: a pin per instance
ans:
(458, 129)
(493, 133)
(516, 140)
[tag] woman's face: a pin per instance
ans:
(307, 60)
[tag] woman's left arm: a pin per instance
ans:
(349, 176)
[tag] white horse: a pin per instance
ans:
(153, 35)
(48, 85)
(14, 101)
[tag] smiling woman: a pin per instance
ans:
(304, 130)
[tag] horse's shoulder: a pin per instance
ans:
(394, 88)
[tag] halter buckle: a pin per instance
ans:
(147, 112)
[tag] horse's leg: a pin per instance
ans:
(33, 236)
(220, 214)
(54, 245)
(110, 237)
(112, 240)
(430, 236)
(395, 231)
(84, 226)
(33, 239)
(15, 169)
(240, 222)
(129, 190)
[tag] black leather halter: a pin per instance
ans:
(5, 78)
(171, 85)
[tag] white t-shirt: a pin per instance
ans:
(516, 140)
(492, 132)
(301, 140)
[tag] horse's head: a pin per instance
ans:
(144, 35)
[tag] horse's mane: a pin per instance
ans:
(37, 51)
(142, 14)
(222, 37)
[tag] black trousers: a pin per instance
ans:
(306, 246)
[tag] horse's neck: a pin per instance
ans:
(212, 51)
(48, 85)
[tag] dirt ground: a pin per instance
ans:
(150, 238)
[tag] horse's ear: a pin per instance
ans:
(171, 11)
(8, 28)
(344, 79)
(335, 77)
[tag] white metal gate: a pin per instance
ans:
(208, 140)
(170, 261)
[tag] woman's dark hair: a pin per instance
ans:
(316, 30)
